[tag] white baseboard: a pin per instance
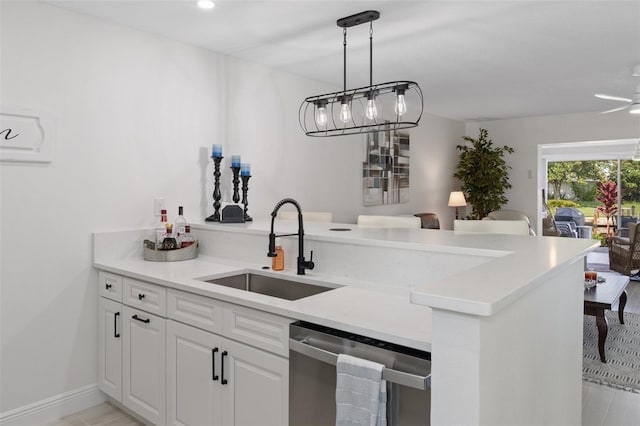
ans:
(54, 408)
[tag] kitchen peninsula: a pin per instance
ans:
(501, 315)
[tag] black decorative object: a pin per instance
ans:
(236, 181)
(215, 217)
(245, 190)
(232, 213)
(388, 106)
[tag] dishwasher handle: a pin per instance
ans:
(394, 376)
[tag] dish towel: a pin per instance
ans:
(361, 393)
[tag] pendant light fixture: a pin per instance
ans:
(377, 107)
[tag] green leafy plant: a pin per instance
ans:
(484, 174)
(608, 196)
(554, 204)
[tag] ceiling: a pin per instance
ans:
(474, 60)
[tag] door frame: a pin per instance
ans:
(618, 149)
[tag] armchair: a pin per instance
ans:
(567, 228)
(506, 214)
(624, 254)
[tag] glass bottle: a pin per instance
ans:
(161, 228)
(277, 263)
(187, 239)
(169, 242)
(179, 223)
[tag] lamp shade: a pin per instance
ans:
(456, 199)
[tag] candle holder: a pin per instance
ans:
(215, 217)
(245, 190)
(236, 181)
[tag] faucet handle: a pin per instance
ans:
(309, 264)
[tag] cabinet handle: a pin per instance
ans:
(140, 296)
(115, 325)
(222, 355)
(107, 286)
(146, 321)
(214, 376)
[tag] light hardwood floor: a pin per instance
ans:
(601, 406)
(104, 414)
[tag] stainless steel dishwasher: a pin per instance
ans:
(313, 353)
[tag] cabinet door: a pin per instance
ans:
(144, 372)
(257, 388)
(193, 376)
(110, 348)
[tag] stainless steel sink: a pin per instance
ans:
(271, 286)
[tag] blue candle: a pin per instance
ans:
(245, 169)
(216, 150)
(235, 161)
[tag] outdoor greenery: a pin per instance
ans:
(575, 172)
(590, 187)
(484, 174)
(584, 176)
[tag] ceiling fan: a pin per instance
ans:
(633, 104)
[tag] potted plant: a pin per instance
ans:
(484, 174)
(608, 196)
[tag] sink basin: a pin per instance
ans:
(271, 286)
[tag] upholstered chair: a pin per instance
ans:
(428, 220)
(512, 227)
(389, 221)
(507, 214)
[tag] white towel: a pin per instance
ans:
(361, 393)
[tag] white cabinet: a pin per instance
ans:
(210, 363)
(257, 388)
(144, 364)
(212, 380)
(110, 347)
(193, 377)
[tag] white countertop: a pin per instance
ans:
(401, 315)
(519, 262)
(381, 313)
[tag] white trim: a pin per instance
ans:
(54, 408)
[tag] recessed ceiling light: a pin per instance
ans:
(206, 4)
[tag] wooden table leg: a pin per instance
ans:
(603, 329)
(621, 305)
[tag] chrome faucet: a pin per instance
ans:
(302, 263)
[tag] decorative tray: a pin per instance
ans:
(176, 255)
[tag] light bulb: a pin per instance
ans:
(206, 4)
(401, 105)
(321, 116)
(345, 112)
(372, 111)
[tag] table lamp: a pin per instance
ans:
(456, 199)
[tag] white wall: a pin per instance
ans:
(133, 113)
(525, 134)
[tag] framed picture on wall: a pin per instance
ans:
(26, 135)
(385, 170)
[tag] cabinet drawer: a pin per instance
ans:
(196, 310)
(260, 329)
(146, 296)
(110, 286)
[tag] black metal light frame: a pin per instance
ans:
(359, 97)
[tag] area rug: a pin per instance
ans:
(622, 350)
